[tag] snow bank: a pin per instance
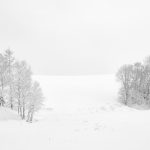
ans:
(7, 114)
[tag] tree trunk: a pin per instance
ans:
(23, 112)
(11, 106)
(31, 117)
(11, 98)
(19, 109)
(28, 117)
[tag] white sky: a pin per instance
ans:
(75, 37)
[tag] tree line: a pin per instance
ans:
(17, 89)
(135, 83)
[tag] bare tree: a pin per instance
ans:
(22, 86)
(135, 83)
(17, 88)
(35, 102)
(9, 58)
(3, 75)
(124, 75)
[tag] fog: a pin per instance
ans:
(78, 37)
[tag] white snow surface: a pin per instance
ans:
(79, 113)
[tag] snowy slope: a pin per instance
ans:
(79, 113)
(7, 115)
(70, 93)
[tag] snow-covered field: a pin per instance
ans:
(80, 113)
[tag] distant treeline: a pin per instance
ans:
(17, 90)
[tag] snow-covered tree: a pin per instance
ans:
(35, 101)
(17, 88)
(135, 83)
(22, 86)
(3, 75)
(9, 58)
(124, 75)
